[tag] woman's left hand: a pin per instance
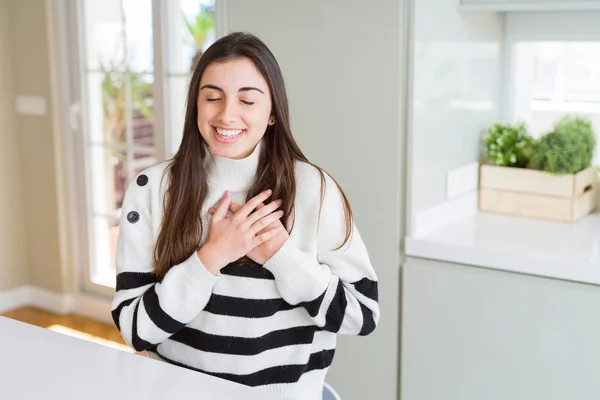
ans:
(264, 251)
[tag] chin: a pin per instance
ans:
(230, 151)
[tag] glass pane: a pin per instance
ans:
(554, 79)
(111, 170)
(142, 101)
(103, 24)
(107, 176)
(191, 29)
(546, 71)
(178, 88)
(119, 113)
(582, 69)
(121, 108)
(105, 233)
(142, 161)
(118, 34)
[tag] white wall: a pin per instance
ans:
(456, 73)
(14, 269)
(471, 333)
(343, 66)
(36, 140)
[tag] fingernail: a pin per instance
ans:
(278, 202)
(226, 193)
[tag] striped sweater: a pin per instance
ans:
(270, 326)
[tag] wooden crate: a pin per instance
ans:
(538, 194)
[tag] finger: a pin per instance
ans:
(212, 210)
(263, 212)
(265, 221)
(274, 224)
(234, 207)
(253, 203)
(221, 211)
(268, 228)
(270, 234)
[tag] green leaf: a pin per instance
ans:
(200, 25)
(507, 145)
(568, 149)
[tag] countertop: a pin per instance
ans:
(569, 251)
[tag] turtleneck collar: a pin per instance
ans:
(232, 174)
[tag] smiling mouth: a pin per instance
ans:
(229, 133)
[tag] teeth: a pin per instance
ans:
(229, 132)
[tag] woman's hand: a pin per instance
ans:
(231, 237)
(264, 251)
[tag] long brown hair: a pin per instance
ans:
(181, 227)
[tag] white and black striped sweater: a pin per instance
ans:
(272, 326)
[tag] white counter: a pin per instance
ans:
(569, 251)
(36, 363)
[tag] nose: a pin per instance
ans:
(228, 112)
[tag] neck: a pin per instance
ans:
(232, 174)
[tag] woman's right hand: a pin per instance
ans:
(231, 237)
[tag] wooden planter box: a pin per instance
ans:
(538, 194)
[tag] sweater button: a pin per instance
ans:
(142, 180)
(133, 217)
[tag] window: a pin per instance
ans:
(135, 62)
(553, 79)
(553, 72)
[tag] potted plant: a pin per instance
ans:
(550, 178)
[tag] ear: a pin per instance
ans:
(272, 120)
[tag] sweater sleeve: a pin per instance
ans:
(338, 288)
(146, 311)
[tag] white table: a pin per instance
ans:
(36, 363)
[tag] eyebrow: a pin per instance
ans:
(242, 89)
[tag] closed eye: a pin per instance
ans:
(213, 99)
(249, 103)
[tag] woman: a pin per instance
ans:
(250, 291)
